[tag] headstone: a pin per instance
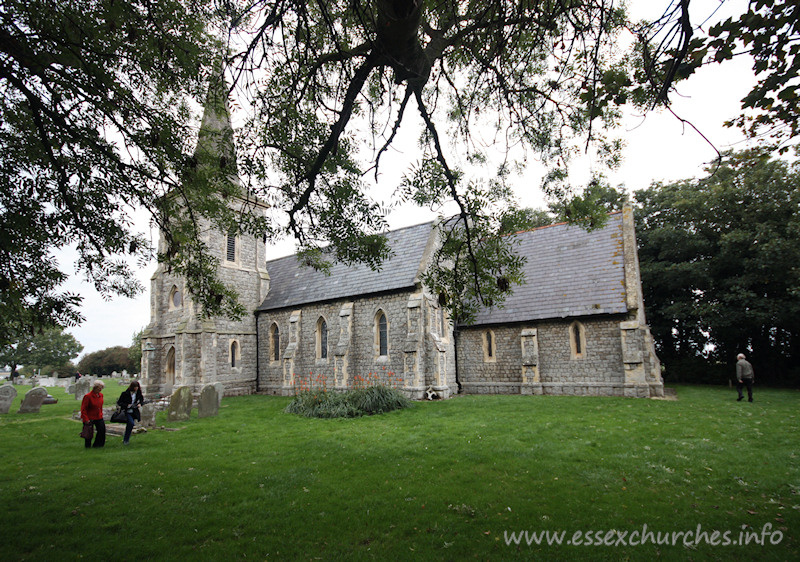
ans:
(148, 412)
(32, 401)
(220, 391)
(82, 386)
(180, 404)
(71, 389)
(208, 403)
(7, 395)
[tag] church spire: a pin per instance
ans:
(215, 139)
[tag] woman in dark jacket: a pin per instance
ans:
(129, 401)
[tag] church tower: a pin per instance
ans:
(179, 347)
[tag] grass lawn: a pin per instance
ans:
(440, 481)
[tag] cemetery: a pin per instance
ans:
(440, 480)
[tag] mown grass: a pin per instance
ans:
(440, 481)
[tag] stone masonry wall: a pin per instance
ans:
(353, 358)
(599, 371)
(202, 347)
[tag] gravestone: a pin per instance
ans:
(7, 395)
(82, 386)
(148, 412)
(220, 391)
(208, 403)
(180, 404)
(33, 401)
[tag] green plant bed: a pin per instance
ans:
(349, 404)
(444, 480)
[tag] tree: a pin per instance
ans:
(767, 30)
(719, 262)
(52, 347)
(590, 209)
(106, 361)
(135, 353)
(94, 122)
(539, 76)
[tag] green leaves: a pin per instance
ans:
(92, 125)
(50, 347)
(719, 262)
(769, 32)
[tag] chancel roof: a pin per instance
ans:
(569, 272)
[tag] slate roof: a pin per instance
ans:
(569, 272)
(292, 284)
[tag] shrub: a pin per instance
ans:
(349, 404)
(378, 399)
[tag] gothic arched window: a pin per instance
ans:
(381, 334)
(175, 298)
(275, 343)
(235, 353)
(170, 371)
(322, 339)
(489, 346)
(577, 340)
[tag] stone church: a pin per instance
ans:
(577, 326)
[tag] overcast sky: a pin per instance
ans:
(658, 148)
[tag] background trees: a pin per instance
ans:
(135, 352)
(51, 351)
(720, 268)
(106, 361)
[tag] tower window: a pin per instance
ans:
(231, 247)
(235, 356)
(175, 298)
(170, 370)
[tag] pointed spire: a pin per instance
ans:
(215, 140)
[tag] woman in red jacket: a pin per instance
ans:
(92, 413)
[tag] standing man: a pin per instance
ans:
(744, 377)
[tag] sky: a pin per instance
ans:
(658, 148)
